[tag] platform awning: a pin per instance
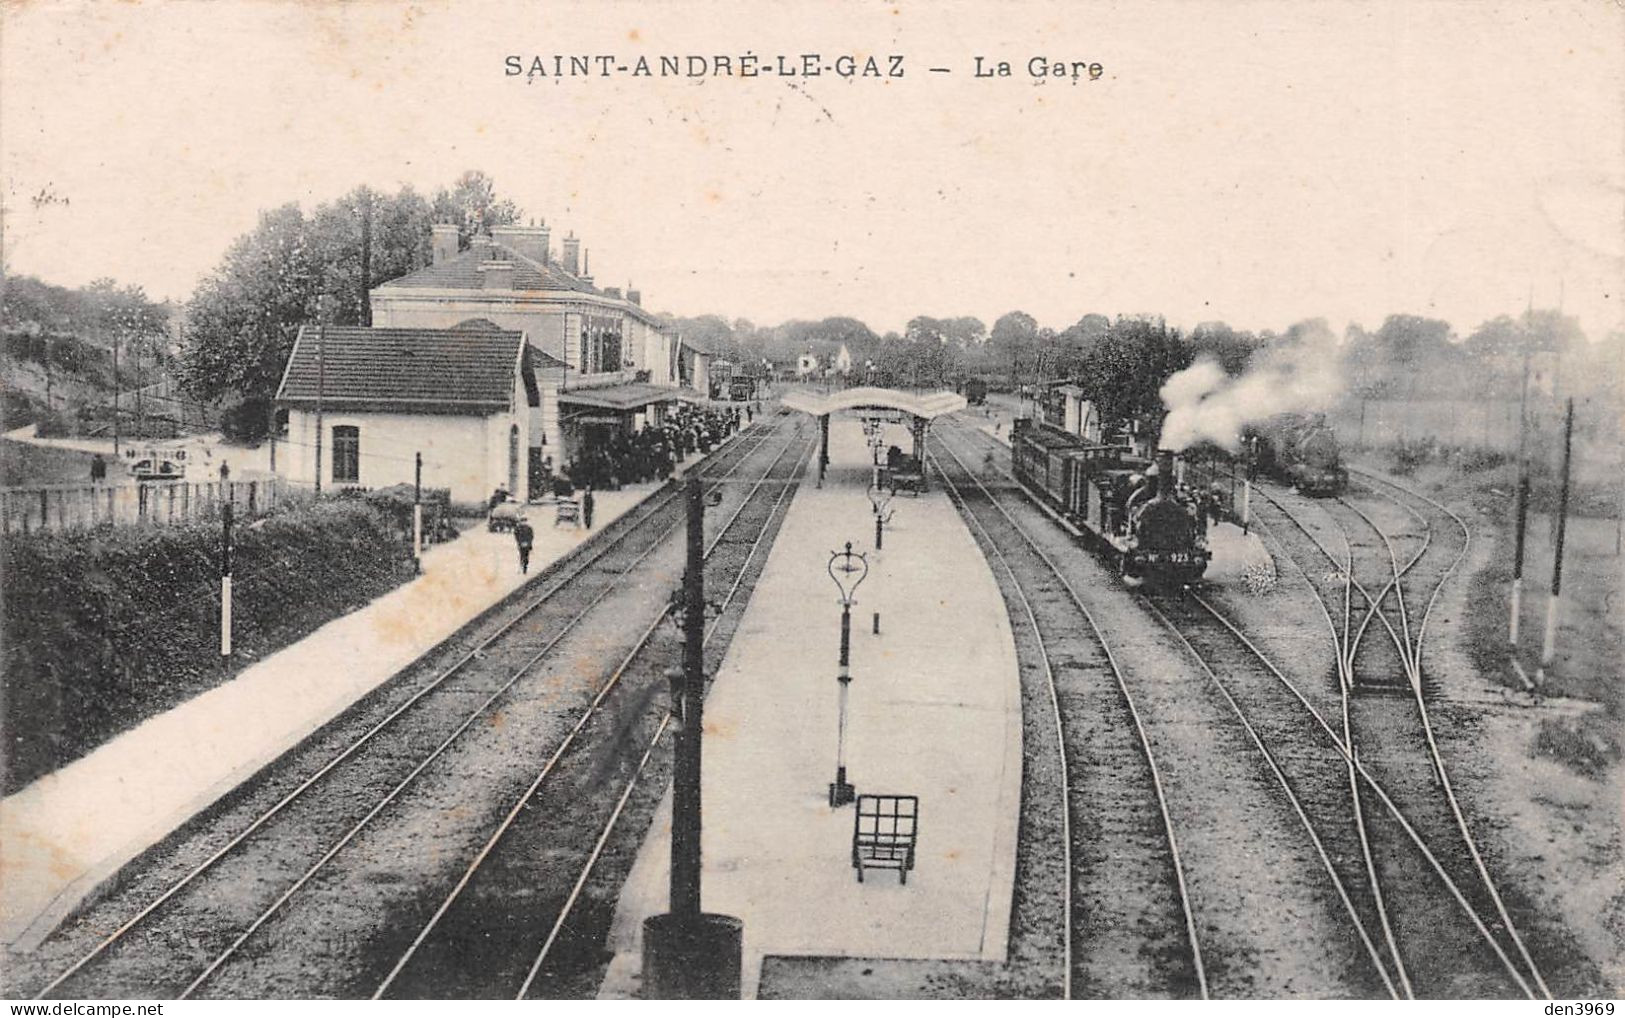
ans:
(927, 406)
(631, 396)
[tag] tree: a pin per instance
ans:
(1123, 373)
(965, 332)
(1231, 349)
(1012, 341)
(1499, 337)
(1410, 340)
(243, 317)
(1076, 340)
(471, 203)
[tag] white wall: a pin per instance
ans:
(467, 454)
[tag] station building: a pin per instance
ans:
(605, 362)
(376, 398)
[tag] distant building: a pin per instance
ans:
(464, 398)
(609, 364)
(1067, 407)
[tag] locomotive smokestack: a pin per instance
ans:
(1165, 473)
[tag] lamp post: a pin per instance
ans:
(880, 498)
(847, 568)
(877, 441)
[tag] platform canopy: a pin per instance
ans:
(925, 406)
(628, 396)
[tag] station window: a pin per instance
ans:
(346, 453)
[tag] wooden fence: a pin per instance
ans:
(154, 503)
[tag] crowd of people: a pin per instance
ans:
(651, 453)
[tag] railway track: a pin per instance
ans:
(207, 899)
(512, 914)
(1387, 738)
(1336, 787)
(1107, 836)
(1317, 788)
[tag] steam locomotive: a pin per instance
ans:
(1128, 508)
(1301, 450)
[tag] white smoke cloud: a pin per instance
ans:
(1205, 403)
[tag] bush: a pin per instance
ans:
(105, 628)
(248, 422)
(52, 423)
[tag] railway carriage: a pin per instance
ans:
(1127, 508)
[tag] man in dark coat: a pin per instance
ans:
(98, 469)
(586, 508)
(524, 537)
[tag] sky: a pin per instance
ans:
(1256, 163)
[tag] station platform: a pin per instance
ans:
(935, 711)
(65, 833)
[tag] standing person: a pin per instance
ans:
(524, 537)
(98, 469)
(586, 508)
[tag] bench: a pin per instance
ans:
(567, 510)
(883, 833)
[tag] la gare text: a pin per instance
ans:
(801, 65)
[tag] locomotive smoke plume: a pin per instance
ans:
(1204, 403)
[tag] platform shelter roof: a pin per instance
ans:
(927, 406)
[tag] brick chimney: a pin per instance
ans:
(612, 292)
(586, 267)
(444, 240)
(635, 296)
(496, 275)
(530, 241)
(572, 254)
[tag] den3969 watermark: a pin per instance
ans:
(1581, 1009)
(558, 67)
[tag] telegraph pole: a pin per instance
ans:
(225, 565)
(688, 953)
(1550, 646)
(417, 515)
(1522, 525)
(366, 255)
(115, 394)
(321, 382)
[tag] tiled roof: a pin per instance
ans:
(462, 272)
(456, 369)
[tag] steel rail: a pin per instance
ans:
(648, 753)
(1411, 660)
(1377, 789)
(1344, 674)
(1427, 726)
(563, 747)
(1060, 736)
(578, 568)
(423, 764)
(1128, 699)
(1286, 786)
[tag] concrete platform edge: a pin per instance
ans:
(25, 933)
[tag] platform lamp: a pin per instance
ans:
(847, 568)
(880, 498)
(877, 441)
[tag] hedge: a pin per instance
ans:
(105, 628)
